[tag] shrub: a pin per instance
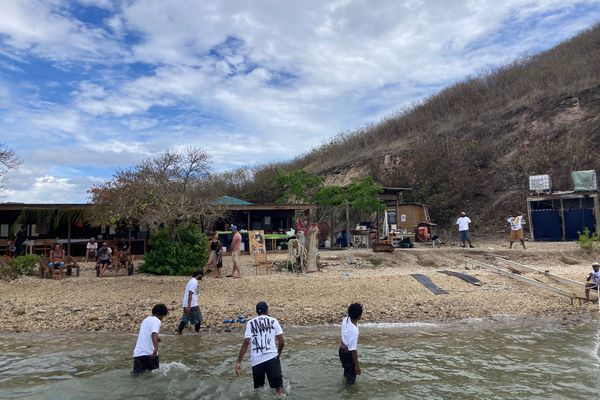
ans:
(588, 241)
(25, 265)
(180, 256)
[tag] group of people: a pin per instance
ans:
(516, 222)
(263, 335)
(104, 256)
(214, 265)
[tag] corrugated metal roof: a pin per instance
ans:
(231, 201)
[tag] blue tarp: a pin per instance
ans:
(546, 225)
(576, 220)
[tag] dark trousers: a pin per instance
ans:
(348, 365)
(144, 363)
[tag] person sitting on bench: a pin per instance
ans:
(57, 261)
(104, 255)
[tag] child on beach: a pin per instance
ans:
(348, 347)
(260, 334)
(191, 308)
(145, 353)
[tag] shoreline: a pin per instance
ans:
(380, 281)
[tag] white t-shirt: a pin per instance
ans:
(349, 334)
(144, 346)
(595, 278)
(192, 286)
(516, 223)
(262, 331)
(463, 223)
(92, 246)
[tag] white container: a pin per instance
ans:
(328, 244)
(540, 184)
(243, 247)
(224, 249)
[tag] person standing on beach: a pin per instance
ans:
(261, 333)
(348, 350)
(214, 247)
(91, 248)
(145, 353)
(516, 223)
(463, 229)
(20, 241)
(191, 307)
(236, 248)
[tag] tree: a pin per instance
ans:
(8, 162)
(169, 193)
(299, 186)
(167, 190)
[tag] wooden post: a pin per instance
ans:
(597, 215)
(248, 227)
(562, 220)
(529, 221)
(69, 236)
(348, 224)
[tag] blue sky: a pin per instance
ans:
(89, 86)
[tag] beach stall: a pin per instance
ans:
(274, 219)
(563, 215)
(65, 223)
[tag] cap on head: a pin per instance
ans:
(234, 228)
(462, 213)
(262, 308)
(595, 265)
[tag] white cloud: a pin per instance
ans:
(46, 189)
(248, 81)
(46, 29)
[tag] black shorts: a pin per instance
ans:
(348, 365)
(144, 363)
(270, 367)
(105, 262)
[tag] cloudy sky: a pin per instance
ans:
(90, 86)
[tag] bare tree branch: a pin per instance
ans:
(8, 162)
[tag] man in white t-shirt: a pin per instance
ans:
(516, 223)
(261, 333)
(145, 353)
(348, 351)
(191, 307)
(593, 280)
(463, 229)
(91, 248)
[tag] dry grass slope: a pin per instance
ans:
(472, 145)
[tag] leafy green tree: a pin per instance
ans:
(176, 257)
(298, 186)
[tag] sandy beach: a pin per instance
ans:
(380, 281)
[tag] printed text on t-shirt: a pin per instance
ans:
(259, 327)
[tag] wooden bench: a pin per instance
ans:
(5, 246)
(70, 266)
(118, 261)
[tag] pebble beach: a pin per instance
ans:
(380, 281)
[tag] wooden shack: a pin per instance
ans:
(562, 215)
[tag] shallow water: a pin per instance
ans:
(467, 360)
